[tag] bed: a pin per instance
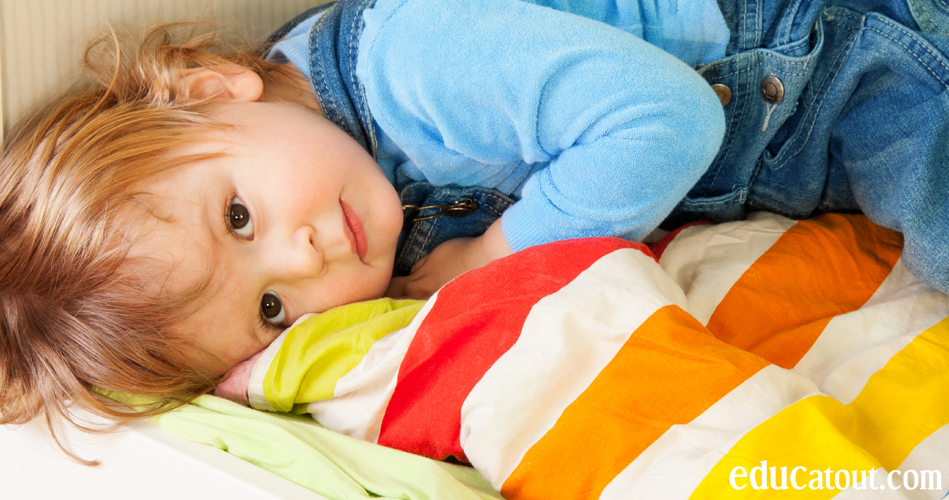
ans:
(756, 348)
(830, 356)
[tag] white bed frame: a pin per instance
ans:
(143, 462)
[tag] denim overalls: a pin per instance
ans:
(829, 105)
(834, 106)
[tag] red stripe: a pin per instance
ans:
(476, 318)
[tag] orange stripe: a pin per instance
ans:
(818, 269)
(668, 372)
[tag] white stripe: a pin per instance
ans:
(361, 395)
(567, 339)
(858, 344)
(706, 261)
(255, 383)
(931, 454)
(676, 463)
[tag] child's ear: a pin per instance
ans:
(228, 81)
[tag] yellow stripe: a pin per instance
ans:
(316, 353)
(905, 402)
(900, 405)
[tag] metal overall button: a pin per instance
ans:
(463, 208)
(723, 92)
(772, 89)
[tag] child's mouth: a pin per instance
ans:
(355, 230)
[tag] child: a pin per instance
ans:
(190, 184)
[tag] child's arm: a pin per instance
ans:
(448, 261)
(609, 131)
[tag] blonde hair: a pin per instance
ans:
(74, 315)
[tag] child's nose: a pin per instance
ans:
(301, 258)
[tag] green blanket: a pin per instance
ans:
(331, 464)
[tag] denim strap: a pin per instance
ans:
(420, 237)
(333, 48)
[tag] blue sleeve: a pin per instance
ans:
(615, 130)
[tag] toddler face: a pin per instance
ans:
(294, 218)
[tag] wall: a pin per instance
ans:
(42, 41)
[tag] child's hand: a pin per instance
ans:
(234, 383)
(449, 260)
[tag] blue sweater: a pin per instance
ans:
(595, 130)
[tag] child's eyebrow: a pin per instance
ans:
(214, 217)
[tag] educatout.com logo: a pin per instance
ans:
(764, 477)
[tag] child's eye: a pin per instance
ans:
(238, 219)
(272, 310)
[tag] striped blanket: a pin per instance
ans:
(739, 358)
